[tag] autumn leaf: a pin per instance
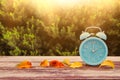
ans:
(24, 64)
(76, 65)
(44, 63)
(56, 63)
(66, 61)
(107, 63)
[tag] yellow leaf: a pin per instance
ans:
(108, 63)
(76, 65)
(66, 61)
(44, 63)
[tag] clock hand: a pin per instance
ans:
(92, 45)
(97, 48)
(93, 48)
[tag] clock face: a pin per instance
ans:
(93, 51)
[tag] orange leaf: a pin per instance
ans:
(24, 64)
(56, 64)
(44, 63)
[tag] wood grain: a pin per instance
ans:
(8, 71)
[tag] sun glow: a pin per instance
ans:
(62, 2)
(66, 2)
(51, 7)
(55, 4)
(69, 3)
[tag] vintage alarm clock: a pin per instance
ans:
(93, 50)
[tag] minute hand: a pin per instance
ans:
(98, 48)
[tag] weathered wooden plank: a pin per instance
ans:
(37, 58)
(8, 71)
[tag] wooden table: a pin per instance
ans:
(8, 71)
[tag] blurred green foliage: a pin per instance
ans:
(27, 30)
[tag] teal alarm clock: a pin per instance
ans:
(93, 50)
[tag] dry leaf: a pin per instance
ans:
(76, 65)
(44, 63)
(66, 61)
(107, 63)
(24, 64)
(56, 63)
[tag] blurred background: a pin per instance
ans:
(53, 27)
